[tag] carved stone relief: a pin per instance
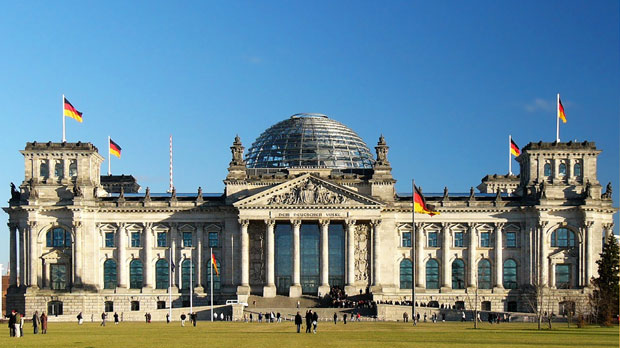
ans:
(256, 232)
(308, 193)
(362, 256)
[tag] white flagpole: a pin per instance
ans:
(191, 286)
(509, 154)
(63, 119)
(557, 119)
(109, 165)
(170, 283)
(211, 256)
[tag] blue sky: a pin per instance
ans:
(444, 82)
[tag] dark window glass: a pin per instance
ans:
(44, 170)
(59, 277)
(458, 274)
(511, 239)
(510, 274)
(54, 308)
(432, 239)
(187, 239)
(336, 255)
(109, 239)
(562, 276)
(135, 239)
(547, 169)
(162, 277)
(58, 238)
(216, 277)
(214, 240)
(562, 169)
(109, 274)
(161, 304)
(406, 241)
(484, 274)
(563, 238)
(309, 258)
(135, 306)
(186, 267)
(577, 169)
(58, 169)
(136, 274)
(485, 239)
(406, 274)
(108, 306)
(162, 239)
(432, 274)
(284, 258)
(458, 239)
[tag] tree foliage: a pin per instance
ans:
(604, 298)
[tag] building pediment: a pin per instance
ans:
(55, 255)
(308, 191)
(563, 255)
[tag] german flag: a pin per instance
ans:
(214, 263)
(72, 112)
(561, 114)
(419, 204)
(115, 149)
(514, 149)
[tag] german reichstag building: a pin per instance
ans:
(306, 208)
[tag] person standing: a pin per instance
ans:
(315, 321)
(167, 318)
(115, 318)
(43, 323)
(462, 316)
(335, 318)
(344, 318)
(12, 324)
(298, 321)
(103, 316)
(36, 322)
(308, 321)
(193, 318)
(80, 318)
(21, 324)
(183, 317)
(251, 319)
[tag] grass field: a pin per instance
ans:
(352, 335)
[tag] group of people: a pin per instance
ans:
(345, 316)
(337, 298)
(270, 317)
(192, 318)
(312, 320)
(16, 323)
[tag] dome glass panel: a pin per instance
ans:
(312, 140)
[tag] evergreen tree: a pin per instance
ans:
(605, 296)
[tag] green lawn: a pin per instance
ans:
(353, 335)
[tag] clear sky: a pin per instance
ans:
(445, 82)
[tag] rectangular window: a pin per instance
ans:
(135, 239)
(214, 240)
(109, 239)
(562, 276)
(59, 169)
(485, 239)
(59, 277)
(135, 306)
(458, 239)
(406, 240)
(187, 239)
(511, 239)
(162, 239)
(432, 239)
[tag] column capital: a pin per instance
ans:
(12, 225)
(375, 222)
(588, 223)
(270, 222)
(324, 222)
(147, 225)
(445, 225)
(499, 225)
(542, 224)
(244, 222)
(296, 223)
(200, 226)
(350, 222)
(32, 225)
(77, 225)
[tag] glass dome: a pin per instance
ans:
(309, 140)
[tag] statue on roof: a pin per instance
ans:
(15, 195)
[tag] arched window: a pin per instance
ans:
(216, 277)
(109, 274)
(547, 169)
(406, 274)
(432, 274)
(161, 274)
(458, 274)
(510, 274)
(185, 269)
(136, 274)
(562, 169)
(57, 237)
(563, 238)
(577, 170)
(484, 274)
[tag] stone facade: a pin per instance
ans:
(65, 229)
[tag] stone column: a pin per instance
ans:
(588, 257)
(543, 270)
(22, 259)
(295, 290)
(499, 258)
(77, 261)
(350, 257)
(245, 253)
(13, 254)
(34, 255)
(269, 290)
(46, 275)
(324, 288)
(419, 253)
(551, 282)
(199, 263)
(122, 258)
(149, 267)
(473, 243)
(376, 248)
(446, 279)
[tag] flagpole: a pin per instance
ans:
(64, 139)
(170, 283)
(557, 119)
(109, 165)
(191, 286)
(509, 154)
(413, 316)
(211, 284)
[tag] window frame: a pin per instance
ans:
(568, 274)
(165, 239)
(485, 239)
(188, 242)
(405, 242)
(510, 281)
(432, 238)
(511, 243)
(406, 270)
(109, 278)
(458, 272)
(214, 242)
(107, 241)
(136, 278)
(135, 239)
(432, 265)
(459, 239)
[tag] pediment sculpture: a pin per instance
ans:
(308, 193)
